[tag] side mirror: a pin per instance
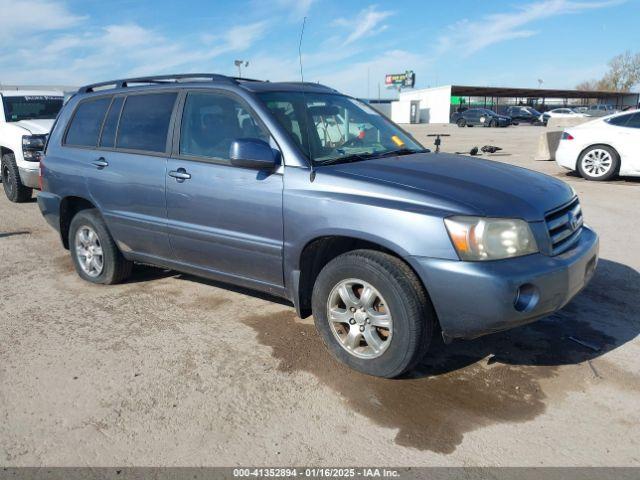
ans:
(252, 153)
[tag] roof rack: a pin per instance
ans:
(163, 79)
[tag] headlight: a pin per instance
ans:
(32, 144)
(479, 238)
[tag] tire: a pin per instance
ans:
(397, 292)
(493, 123)
(114, 268)
(13, 188)
(461, 122)
(599, 163)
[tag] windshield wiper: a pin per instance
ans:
(354, 157)
(357, 157)
(400, 152)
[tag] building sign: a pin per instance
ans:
(401, 80)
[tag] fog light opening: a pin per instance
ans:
(526, 298)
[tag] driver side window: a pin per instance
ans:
(211, 122)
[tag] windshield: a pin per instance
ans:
(31, 107)
(330, 127)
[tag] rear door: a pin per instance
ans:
(629, 143)
(129, 168)
(222, 218)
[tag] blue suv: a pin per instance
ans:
(299, 191)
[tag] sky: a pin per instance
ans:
(348, 45)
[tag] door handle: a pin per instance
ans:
(100, 163)
(180, 174)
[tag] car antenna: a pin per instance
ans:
(312, 173)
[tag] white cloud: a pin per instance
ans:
(469, 37)
(75, 53)
(365, 24)
(22, 17)
(297, 9)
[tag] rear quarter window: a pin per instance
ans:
(144, 122)
(86, 122)
(108, 137)
(620, 121)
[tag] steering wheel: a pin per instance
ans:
(352, 142)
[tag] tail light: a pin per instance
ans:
(40, 158)
(567, 136)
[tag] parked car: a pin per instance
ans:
(602, 148)
(523, 114)
(481, 117)
(26, 116)
(600, 110)
(560, 113)
(384, 242)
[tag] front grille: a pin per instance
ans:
(564, 225)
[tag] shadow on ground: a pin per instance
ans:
(471, 384)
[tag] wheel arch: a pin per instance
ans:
(69, 207)
(320, 250)
(599, 144)
(5, 151)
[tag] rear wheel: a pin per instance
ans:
(373, 313)
(461, 122)
(599, 163)
(13, 187)
(95, 255)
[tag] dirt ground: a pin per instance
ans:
(172, 370)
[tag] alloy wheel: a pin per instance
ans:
(359, 318)
(89, 251)
(597, 162)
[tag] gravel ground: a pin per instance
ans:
(172, 370)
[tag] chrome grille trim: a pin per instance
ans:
(564, 225)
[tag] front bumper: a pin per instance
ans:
(29, 176)
(476, 298)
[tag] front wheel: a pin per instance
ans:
(95, 255)
(13, 187)
(373, 313)
(599, 163)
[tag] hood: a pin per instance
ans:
(36, 127)
(484, 187)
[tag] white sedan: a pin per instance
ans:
(560, 113)
(603, 148)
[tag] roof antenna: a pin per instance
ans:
(312, 173)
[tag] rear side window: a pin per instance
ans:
(144, 122)
(620, 121)
(86, 123)
(108, 138)
(634, 121)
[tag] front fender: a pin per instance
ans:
(11, 138)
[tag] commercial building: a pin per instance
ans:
(435, 105)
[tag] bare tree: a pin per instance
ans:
(622, 76)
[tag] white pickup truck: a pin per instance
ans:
(26, 118)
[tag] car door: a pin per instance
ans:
(472, 117)
(223, 219)
(628, 143)
(129, 170)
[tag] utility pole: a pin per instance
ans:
(239, 64)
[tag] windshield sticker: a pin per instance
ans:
(40, 97)
(396, 139)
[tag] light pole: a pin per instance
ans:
(239, 64)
